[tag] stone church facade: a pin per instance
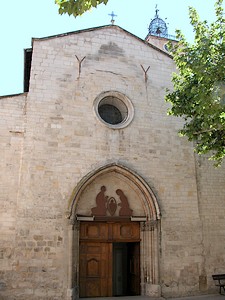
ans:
(99, 195)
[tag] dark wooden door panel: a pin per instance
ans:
(125, 232)
(94, 231)
(95, 269)
(96, 258)
(111, 232)
(134, 268)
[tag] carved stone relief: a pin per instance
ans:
(105, 203)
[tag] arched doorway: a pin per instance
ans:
(109, 259)
(114, 235)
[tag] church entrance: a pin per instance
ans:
(113, 236)
(109, 259)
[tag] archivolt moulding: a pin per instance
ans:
(150, 203)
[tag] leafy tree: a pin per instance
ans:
(199, 84)
(77, 7)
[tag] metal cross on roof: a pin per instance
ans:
(112, 15)
(156, 11)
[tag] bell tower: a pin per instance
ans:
(158, 32)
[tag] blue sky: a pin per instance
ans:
(24, 19)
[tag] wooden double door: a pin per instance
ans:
(109, 259)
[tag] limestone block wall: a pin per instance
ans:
(211, 185)
(64, 141)
(12, 130)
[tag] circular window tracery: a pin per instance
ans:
(114, 109)
(110, 114)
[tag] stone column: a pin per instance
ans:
(76, 237)
(73, 260)
(70, 261)
(150, 259)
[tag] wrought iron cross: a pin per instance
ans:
(112, 15)
(156, 11)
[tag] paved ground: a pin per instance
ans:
(204, 297)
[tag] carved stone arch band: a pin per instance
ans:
(149, 201)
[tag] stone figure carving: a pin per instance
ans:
(125, 208)
(101, 202)
(112, 206)
(108, 204)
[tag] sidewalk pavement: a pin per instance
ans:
(202, 297)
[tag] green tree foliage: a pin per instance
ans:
(199, 84)
(77, 7)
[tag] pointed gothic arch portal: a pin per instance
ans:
(114, 233)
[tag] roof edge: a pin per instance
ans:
(99, 28)
(13, 95)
